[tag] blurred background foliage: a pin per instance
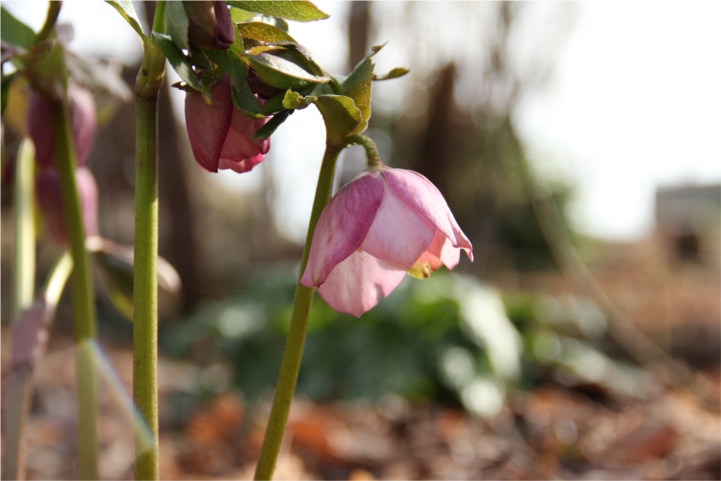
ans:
(453, 338)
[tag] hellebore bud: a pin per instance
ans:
(209, 24)
(81, 107)
(50, 200)
(220, 135)
(382, 224)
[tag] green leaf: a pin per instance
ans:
(298, 10)
(230, 61)
(238, 15)
(127, 11)
(264, 32)
(176, 21)
(294, 100)
(13, 31)
(267, 130)
(358, 86)
(180, 62)
(395, 73)
(244, 99)
(341, 116)
(6, 81)
(284, 72)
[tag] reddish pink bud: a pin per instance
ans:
(209, 24)
(221, 136)
(50, 200)
(82, 115)
(379, 226)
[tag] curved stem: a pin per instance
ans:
(290, 365)
(145, 279)
(374, 159)
(83, 294)
(50, 19)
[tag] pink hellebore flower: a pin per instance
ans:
(82, 116)
(221, 136)
(50, 200)
(382, 224)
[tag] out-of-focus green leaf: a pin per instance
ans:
(298, 10)
(127, 11)
(341, 117)
(270, 127)
(97, 76)
(13, 31)
(116, 267)
(50, 73)
(264, 32)
(176, 21)
(180, 62)
(394, 73)
(238, 15)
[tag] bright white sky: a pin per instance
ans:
(634, 103)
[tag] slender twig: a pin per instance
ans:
(145, 291)
(24, 259)
(23, 283)
(290, 365)
(83, 293)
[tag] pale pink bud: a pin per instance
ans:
(50, 200)
(220, 135)
(379, 226)
(81, 106)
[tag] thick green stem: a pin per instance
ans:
(145, 290)
(83, 295)
(290, 365)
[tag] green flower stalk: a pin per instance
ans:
(293, 353)
(145, 290)
(83, 293)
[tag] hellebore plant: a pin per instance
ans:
(221, 136)
(382, 224)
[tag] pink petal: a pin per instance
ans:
(420, 194)
(208, 124)
(242, 166)
(240, 144)
(359, 282)
(398, 234)
(342, 226)
(88, 190)
(82, 114)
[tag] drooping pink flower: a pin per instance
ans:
(220, 135)
(81, 107)
(382, 224)
(50, 200)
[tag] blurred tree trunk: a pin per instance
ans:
(359, 24)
